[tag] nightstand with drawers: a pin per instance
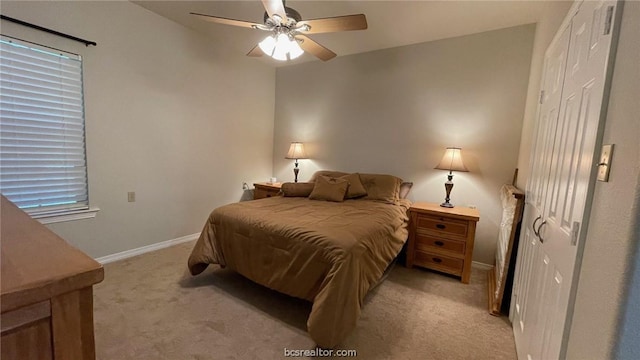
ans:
(264, 190)
(442, 238)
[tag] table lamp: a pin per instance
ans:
(452, 161)
(296, 151)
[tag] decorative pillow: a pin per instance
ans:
(355, 189)
(381, 187)
(329, 173)
(301, 189)
(329, 189)
(405, 187)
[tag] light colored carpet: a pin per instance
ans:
(149, 307)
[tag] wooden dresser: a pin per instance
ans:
(265, 190)
(442, 239)
(46, 292)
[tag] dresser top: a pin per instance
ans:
(458, 212)
(36, 263)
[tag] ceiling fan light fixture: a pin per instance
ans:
(281, 47)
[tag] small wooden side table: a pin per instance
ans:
(442, 238)
(264, 190)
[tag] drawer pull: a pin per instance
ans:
(436, 260)
(440, 226)
(439, 243)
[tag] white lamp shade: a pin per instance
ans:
(295, 50)
(296, 151)
(452, 160)
(282, 48)
(267, 45)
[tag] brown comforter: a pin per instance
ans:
(328, 253)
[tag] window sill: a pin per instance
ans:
(70, 216)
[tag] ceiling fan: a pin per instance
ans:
(288, 38)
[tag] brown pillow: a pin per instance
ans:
(329, 173)
(355, 189)
(381, 187)
(329, 189)
(301, 189)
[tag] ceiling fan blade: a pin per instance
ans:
(315, 49)
(225, 21)
(255, 52)
(333, 24)
(275, 7)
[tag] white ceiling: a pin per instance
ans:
(391, 23)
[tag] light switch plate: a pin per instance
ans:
(131, 196)
(604, 165)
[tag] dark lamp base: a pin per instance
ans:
(295, 173)
(448, 186)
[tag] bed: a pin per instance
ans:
(328, 252)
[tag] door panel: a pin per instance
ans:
(552, 337)
(528, 283)
(524, 277)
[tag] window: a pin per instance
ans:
(43, 166)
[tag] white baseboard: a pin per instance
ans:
(481, 266)
(145, 249)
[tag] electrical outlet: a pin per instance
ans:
(131, 196)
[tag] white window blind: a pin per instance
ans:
(42, 142)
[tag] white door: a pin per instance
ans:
(563, 174)
(524, 295)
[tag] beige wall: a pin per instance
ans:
(167, 116)
(394, 111)
(610, 249)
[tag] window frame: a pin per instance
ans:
(13, 102)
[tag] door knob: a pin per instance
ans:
(534, 225)
(538, 232)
